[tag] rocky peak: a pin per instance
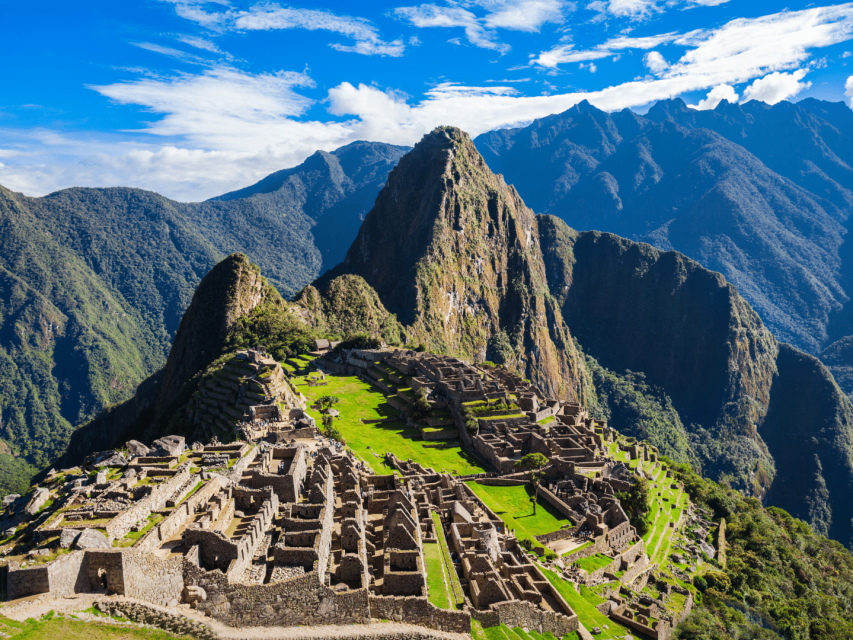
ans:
(452, 250)
(228, 292)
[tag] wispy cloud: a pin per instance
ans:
(222, 128)
(515, 15)
(269, 17)
(172, 53)
(566, 53)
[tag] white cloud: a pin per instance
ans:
(655, 62)
(566, 53)
(266, 17)
(169, 51)
(199, 43)
(515, 15)
(634, 9)
(706, 3)
(716, 96)
(776, 86)
(222, 128)
(848, 89)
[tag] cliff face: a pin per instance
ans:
(454, 253)
(229, 293)
(636, 308)
(809, 430)
(757, 413)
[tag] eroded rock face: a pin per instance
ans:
(452, 250)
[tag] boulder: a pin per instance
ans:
(9, 499)
(117, 459)
(198, 446)
(136, 448)
(130, 473)
(68, 537)
(168, 446)
(40, 496)
(102, 477)
(91, 539)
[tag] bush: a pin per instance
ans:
(527, 543)
(359, 341)
(700, 583)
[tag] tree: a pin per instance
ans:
(327, 402)
(635, 501)
(532, 462)
(420, 408)
(471, 424)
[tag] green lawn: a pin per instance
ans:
(503, 632)
(583, 604)
(454, 587)
(52, 627)
(594, 563)
(513, 506)
(363, 401)
(435, 576)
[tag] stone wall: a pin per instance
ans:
(68, 576)
(558, 504)
(518, 613)
(418, 610)
(298, 601)
(560, 534)
(153, 579)
(119, 526)
(236, 472)
(27, 581)
(639, 566)
(105, 566)
(146, 614)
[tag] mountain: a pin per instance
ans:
(335, 190)
(94, 282)
(761, 194)
(233, 307)
(468, 269)
(759, 415)
(454, 253)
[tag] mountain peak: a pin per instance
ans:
(454, 253)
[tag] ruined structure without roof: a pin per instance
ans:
(290, 530)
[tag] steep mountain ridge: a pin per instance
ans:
(758, 414)
(454, 253)
(94, 282)
(766, 210)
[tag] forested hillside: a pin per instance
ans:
(94, 282)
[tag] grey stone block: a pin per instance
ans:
(68, 537)
(91, 539)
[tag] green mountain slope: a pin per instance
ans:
(94, 282)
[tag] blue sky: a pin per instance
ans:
(193, 99)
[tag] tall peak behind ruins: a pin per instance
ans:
(452, 250)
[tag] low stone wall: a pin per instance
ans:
(444, 434)
(599, 545)
(420, 611)
(236, 472)
(145, 614)
(27, 581)
(639, 566)
(558, 504)
(518, 613)
(501, 482)
(119, 526)
(561, 534)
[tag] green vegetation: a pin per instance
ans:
(636, 408)
(593, 563)
(435, 576)
(50, 627)
(779, 574)
(455, 592)
(362, 401)
(512, 505)
(583, 604)
(132, 537)
(635, 501)
(503, 632)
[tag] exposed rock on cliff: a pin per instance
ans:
(454, 253)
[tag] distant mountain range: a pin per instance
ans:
(763, 194)
(94, 282)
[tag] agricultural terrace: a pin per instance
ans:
(362, 403)
(512, 505)
(503, 632)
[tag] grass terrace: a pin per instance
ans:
(583, 603)
(593, 563)
(359, 401)
(435, 576)
(454, 588)
(503, 632)
(50, 627)
(513, 506)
